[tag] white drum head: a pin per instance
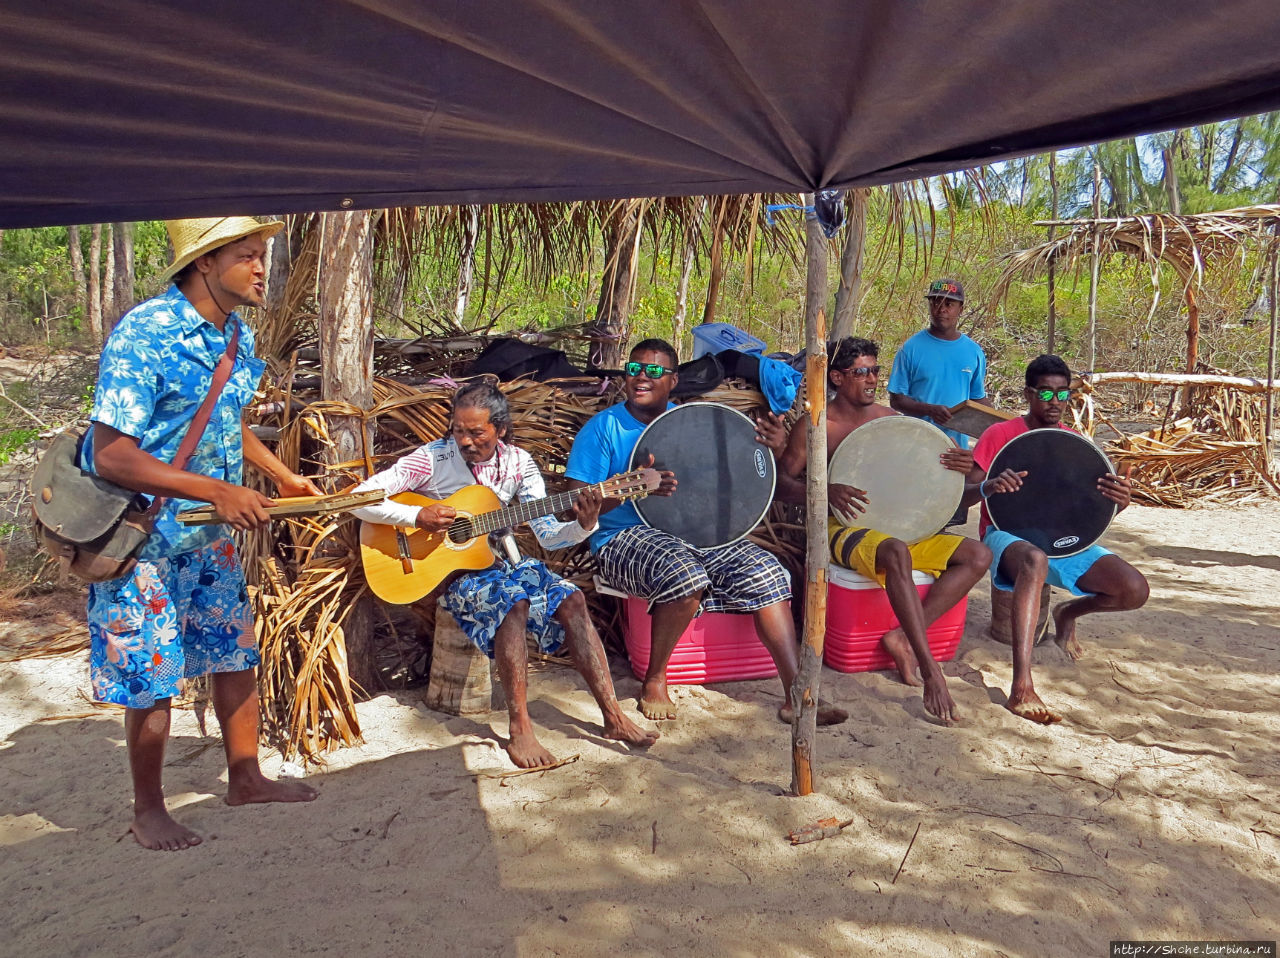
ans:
(894, 460)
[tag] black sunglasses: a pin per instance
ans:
(1047, 395)
(861, 372)
(652, 370)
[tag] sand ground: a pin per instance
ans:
(1150, 813)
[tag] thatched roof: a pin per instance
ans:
(1186, 242)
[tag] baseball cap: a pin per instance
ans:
(945, 289)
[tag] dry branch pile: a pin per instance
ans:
(1215, 455)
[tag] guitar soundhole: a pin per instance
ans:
(461, 532)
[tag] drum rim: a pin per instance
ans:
(773, 485)
(1115, 510)
(914, 420)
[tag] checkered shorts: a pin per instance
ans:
(654, 565)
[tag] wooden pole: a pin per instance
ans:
(1093, 271)
(1193, 341)
(1053, 266)
(804, 690)
(1271, 352)
(1242, 384)
(346, 374)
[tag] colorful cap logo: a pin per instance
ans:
(945, 289)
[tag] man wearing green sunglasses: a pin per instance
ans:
(1100, 580)
(678, 580)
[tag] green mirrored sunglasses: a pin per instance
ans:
(1048, 395)
(652, 370)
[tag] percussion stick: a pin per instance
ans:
(293, 506)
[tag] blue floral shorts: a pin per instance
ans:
(479, 601)
(169, 619)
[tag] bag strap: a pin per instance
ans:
(221, 373)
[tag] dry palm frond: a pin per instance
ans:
(1185, 242)
(307, 699)
(1216, 455)
(75, 639)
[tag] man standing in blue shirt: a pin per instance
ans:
(939, 367)
(184, 611)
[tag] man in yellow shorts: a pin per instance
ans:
(957, 562)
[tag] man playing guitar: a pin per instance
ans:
(496, 606)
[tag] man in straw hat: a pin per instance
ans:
(184, 610)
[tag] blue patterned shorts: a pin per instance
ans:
(169, 619)
(481, 600)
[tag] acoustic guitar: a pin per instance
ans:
(404, 563)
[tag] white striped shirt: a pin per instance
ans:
(437, 470)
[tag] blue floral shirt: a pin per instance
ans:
(155, 371)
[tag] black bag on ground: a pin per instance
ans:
(94, 527)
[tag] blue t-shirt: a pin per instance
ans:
(156, 369)
(602, 449)
(942, 372)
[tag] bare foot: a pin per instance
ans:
(257, 789)
(904, 657)
(654, 701)
(527, 752)
(1029, 706)
(828, 714)
(622, 729)
(156, 830)
(1065, 636)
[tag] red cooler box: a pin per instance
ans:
(858, 614)
(716, 647)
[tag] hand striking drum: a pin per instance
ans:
(892, 483)
(1049, 494)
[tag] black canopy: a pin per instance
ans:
(127, 109)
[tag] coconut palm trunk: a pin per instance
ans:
(122, 273)
(609, 331)
(93, 289)
(346, 361)
(849, 294)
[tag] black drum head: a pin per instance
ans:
(1058, 509)
(724, 477)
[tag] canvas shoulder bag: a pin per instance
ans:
(94, 527)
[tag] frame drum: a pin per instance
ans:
(724, 477)
(894, 460)
(1058, 509)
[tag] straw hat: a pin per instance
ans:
(194, 238)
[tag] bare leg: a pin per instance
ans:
(777, 633)
(512, 657)
(893, 559)
(146, 732)
(589, 659)
(968, 564)
(1026, 566)
(667, 624)
(235, 703)
(1116, 587)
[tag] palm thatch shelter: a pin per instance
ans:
(1190, 243)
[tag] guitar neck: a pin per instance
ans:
(521, 512)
